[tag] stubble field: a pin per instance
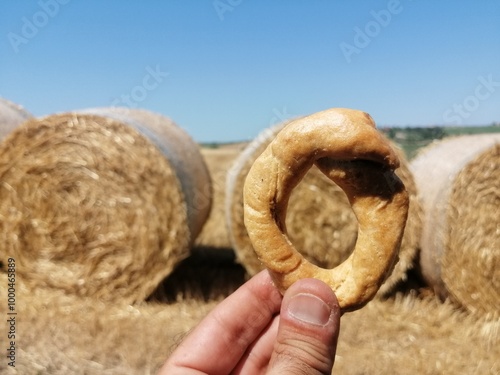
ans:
(408, 331)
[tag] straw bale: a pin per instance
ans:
(320, 221)
(458, 180)
(11, 116)
(218, 160)
(89, 206)
(182, 152)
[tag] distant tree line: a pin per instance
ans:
(414, 134)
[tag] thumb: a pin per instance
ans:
(308, 330)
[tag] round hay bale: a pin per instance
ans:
(320, 221)
(218, 160)
(458, 180)
(182, 152)
(90, 206)
(11, 116)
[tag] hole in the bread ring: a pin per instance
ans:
(320, 221)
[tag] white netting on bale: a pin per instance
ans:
(11, 116)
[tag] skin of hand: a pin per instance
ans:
(257, 331)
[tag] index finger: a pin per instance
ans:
(222, 337)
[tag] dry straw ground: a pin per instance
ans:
(219, 161)
(410, 332)
(402, 335)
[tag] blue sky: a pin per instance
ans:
(226, 69)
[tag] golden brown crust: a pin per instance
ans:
(345, 145)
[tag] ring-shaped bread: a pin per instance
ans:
(345, 145)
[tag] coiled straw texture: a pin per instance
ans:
(90, 206)
(458, 180)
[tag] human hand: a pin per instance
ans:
(257, 331)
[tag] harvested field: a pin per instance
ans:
(219, 161)
(407, 332)
(402, 335)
